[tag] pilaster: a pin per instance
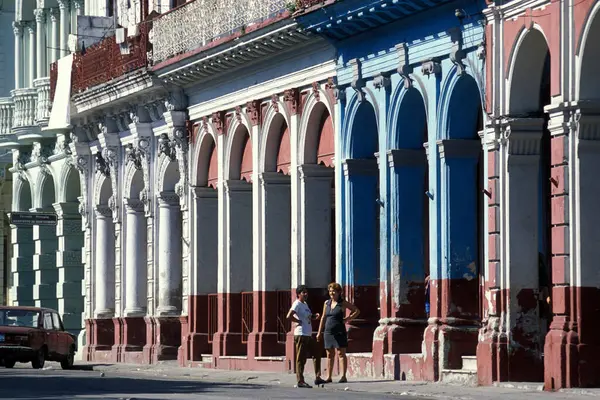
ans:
(23, 275)
(44, 264)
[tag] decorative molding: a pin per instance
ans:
(133, 205)
(459, 148)
(275, 102)
(382, 80)
(291, 97)
(103, 211)
(80, 163)
(357, 80)
(40, 15)
(41, 152)
(457, 54)
(253, 111)
(430, 67)
(361, 167)
(18, 28)
(23, 157)
(404, 68)
(238, 113)
(315, 91)
(220, 123)
(407, 158)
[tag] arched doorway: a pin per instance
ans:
(528, 208)
(203, 303)
(46, 245)
(23, 277)
(360, 275)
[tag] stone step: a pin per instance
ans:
(469, 363)
(459, 377)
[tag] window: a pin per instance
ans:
(14, 317)
(48, 321)
(56, 322)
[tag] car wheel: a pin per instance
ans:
(68, 362)
(9, 363)
(40, 359)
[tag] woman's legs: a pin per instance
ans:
(330, 362)
(343, 363)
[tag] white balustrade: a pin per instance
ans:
(25, 107)
(201, 21)
(6, 115)
(42, 86)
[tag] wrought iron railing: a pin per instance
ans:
(199, 22)
(6, 115)
(213, 316)
(247, 315)
(284, 302)
(105, 60)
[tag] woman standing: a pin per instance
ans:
(336, 337)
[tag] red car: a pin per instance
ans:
(33, 334)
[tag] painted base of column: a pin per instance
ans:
(183, 352)
(101, 336)
(264, 341)
(199, 315)
(518, 360)
(572, 359)
(361, 330)
(398, 336)
(228, 340)
(163, 338)
(130, 338)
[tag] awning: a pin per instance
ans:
(60, 116)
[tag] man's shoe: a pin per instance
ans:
(320, 381)
(304, 385)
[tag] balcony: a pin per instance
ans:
(42, 85)
(6, 115)
(25, 107)
(103, 62)
(199, 23)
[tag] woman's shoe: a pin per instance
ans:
(343, 379)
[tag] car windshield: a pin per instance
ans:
(24, 318)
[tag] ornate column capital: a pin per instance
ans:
(356, 167)
(64, 5)
(18, 28)
(78, 4)
(54, 14)
(407, 157)
(167, 199)
(40, 15)
(315, 171)
(30, 27)
(133, 205)
(103, 211)
(524, 135)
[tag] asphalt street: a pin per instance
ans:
(25, 383)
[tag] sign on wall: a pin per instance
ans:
(25, 218)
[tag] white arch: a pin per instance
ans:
(232, 133)
(308, 108)
(99, 182)
(582, 45)
(267, 128)
(163, 166)
(514, 57)
(19, 184)
(203, 135)
(44, 174)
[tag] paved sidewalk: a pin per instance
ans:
(517, 391)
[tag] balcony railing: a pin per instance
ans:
(104, 61)
(300, 4)
(6, 115)
(25, 101)
(42, 86)
(199, 22)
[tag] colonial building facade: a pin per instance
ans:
(203, 162)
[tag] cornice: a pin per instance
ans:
(204, 65)
(120, 90)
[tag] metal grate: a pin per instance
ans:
(247, 315)
(284, 302)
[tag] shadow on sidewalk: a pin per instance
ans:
(16, 385)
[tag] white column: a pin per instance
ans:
(276, 237)
(18, 31)
(40, 20)
(104, 263)
(54, 41)
(238, 241)
(31, 64)
(169, 255)
(65, 26)
(135, 262)
(316, 246)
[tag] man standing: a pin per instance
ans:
(306, 345)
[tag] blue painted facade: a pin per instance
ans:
(411, 81)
